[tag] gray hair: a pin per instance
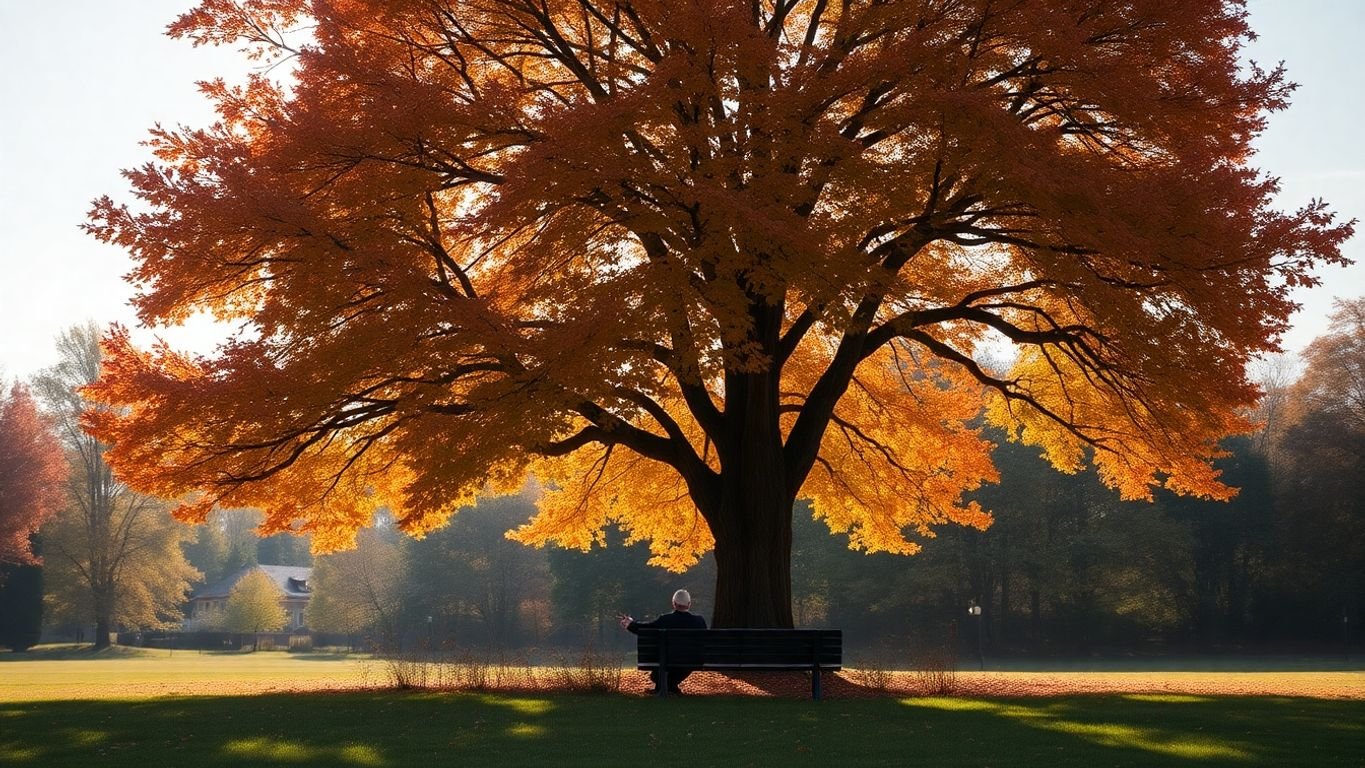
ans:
(682, 597)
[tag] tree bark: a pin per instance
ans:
(104, 615)
(752, 526)
(103, 626)
(753, 567)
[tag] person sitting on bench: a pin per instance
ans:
(681, 618)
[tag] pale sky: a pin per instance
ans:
(81, 81)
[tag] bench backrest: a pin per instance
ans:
(741, 648)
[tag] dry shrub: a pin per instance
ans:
(403, 671)
(874, 672)
(471, 672)
(468, 671)
(489, 672)
(592, 672)
(935, 671)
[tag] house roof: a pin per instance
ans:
(292, 581)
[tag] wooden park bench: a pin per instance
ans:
(742, 650)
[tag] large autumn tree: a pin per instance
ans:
(112, 556)
(689, 260)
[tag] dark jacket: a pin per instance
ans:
(674, 620)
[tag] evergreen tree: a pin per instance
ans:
(21, 603)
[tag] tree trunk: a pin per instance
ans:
(103, 626)
(753, 568)
(104, 615)
(752, 525)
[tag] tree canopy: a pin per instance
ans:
(690, 261)
(1334, 383)
(31, 472)
(254, 605)
(111, 555)
(358, 590)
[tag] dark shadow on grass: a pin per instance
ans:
(394, 729)
(73, 651)
(328, 656)
(1183, 729)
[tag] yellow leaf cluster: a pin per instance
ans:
(900, 453)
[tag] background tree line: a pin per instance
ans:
(1065, 568)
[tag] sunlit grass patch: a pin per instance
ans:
(262, 748)
(20, 754)
(84, 737)
(526, 730)
(1169, 698)
(1159, 741)
(144, 673)
(361, 754)
(1049, 716)
(523, 705)
(1163, 741)
(951, 704)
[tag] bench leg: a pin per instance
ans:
(663, 682)
(815, 683)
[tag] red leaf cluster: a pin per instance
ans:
(31, 471)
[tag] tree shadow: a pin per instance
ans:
(76, 652)
(467, 729)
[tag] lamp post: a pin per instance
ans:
(431, 638)
(974, 610)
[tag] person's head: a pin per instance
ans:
(682, 600)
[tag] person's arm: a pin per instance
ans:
(631, 625)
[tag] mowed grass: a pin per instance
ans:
(119, 672)
(469, 729)
(132, 707)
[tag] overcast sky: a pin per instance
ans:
(81, 81)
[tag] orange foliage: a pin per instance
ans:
(689, 260)
(32, 469)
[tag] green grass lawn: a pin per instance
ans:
(467, 729)
(122, 672)
(155, 709)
